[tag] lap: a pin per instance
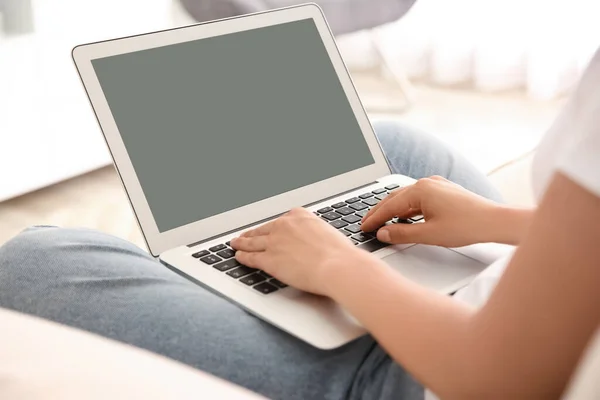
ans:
(99, 283)
(105, 285)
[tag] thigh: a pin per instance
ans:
(105, 285)
(418, 155)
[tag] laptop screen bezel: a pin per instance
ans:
(213, 226)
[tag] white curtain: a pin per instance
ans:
(538, 46)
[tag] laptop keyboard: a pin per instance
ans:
(222, 258)
(344, 216)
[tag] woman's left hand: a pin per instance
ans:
(299, 249)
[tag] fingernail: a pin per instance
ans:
(384, 235)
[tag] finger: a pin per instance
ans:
(413, 212)
(382, 202)
(439, 178)
(298, 212)
(252, 260)
(400, 204)
(385, 200)
(404, 233)
(255, 243)
(260, 231)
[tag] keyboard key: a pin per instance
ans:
(371, 202)
(210, 259)
(381, 196)
(361, 237)
(362, 213)
(351, 219)
(227, 265)
(263, 273)
(379, 191)
(359, 206)
(339, 205)
(366, 195)
(402, 221)
(344, 211)
(392, 186)
(331, 216)
(354, 242)
(345, 232)
(372, 245)
(352, 200)
(228, 244)
(227, 253)
(265, 288)
(416, 218)
(324, 210)
(337, 224)
(201, 253)
(278, 283)
(241, 271)
(353, 228)
(253, 279)
(218, 247)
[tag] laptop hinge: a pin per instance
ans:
(276, 216)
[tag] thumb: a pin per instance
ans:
(404, 233)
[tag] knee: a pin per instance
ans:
(400, 141)
(33, 241)
(46, 270)
(393, 134)
(29, 265)
(47, 246)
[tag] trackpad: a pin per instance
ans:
(435, 267)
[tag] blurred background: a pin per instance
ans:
(487, 77)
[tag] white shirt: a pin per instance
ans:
(571, 146)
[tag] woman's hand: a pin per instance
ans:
(299, 249)
(454, 216)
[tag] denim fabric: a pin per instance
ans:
(419, 154)
(99, 283)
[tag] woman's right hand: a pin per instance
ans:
(453, 216)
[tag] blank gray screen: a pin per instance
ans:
(218, 123)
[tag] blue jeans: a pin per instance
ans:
(99, 283)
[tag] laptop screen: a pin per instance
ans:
(219, 123)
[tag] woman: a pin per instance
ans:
(522, 343)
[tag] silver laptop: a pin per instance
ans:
(216, 128)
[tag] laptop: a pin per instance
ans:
(219, 127)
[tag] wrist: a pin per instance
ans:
(343, 274)
(507, 224)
